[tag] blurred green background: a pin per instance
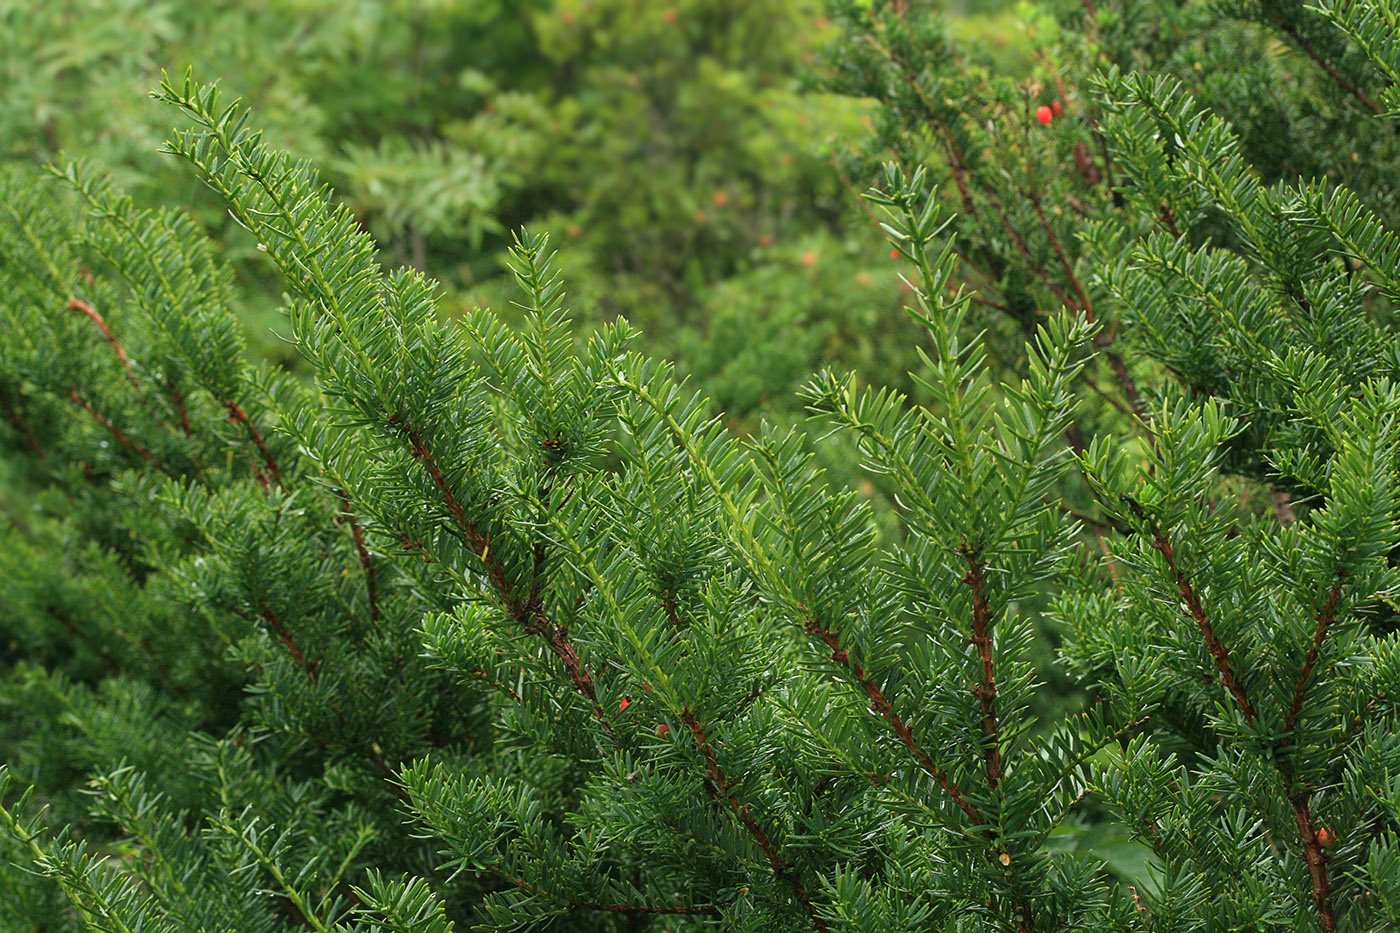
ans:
(688, 158)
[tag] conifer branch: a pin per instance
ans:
(1313, 855)
(179, 399)
(77, 304)
(719, 789)
(12, 415)
(528, 611)
(1307, 48)
(957, 165)
(493, 682)
(1084, 304)
(986, 693)
(479, 544)
(248, 838)
(882, 705)
(312, 669)
(1298, 798)
(986, 690)
(111, 428)
(238, 416)
(697, 910)
(371, 584)
(1218, 650)
(1326, 617)
(286, 638)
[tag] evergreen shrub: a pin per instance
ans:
(489, 627)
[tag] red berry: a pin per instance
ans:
(624, 704)
(894, 254)
(647, 687)
(1055, 106)
(663, 729)
(1044, 114)
(1324, 837)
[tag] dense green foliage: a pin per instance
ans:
(494, 620)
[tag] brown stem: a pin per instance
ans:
(77, 304)
(1084, 302)
(1168, 219)
(1313, 855)
(527, 611)
(1297, 797)
(179, 401)
(371, 584)
(556, 636)
(311, 667)
(1231, 682)
(1025, 252)
(1316, 56)
(1326, 616)
(882, 706)
(286, 637)
(719, 789)
(238, 416)
(986, 693)
(18, 423)
(111, 428)
(986, 690)
(480, 544)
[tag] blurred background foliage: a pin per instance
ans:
(697, 162)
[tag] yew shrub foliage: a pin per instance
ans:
(497, 627)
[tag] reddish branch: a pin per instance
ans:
(1316, 56)
(1168, 219)
(109, 426)
(1312, 852)
(1213, 643)
(556, 636)
(1298, 797)
(527, 611)
(719, 789)
(697, 910)
(311, 667)
(882, 705)
(480, 544)
(986, 693)
(238, 416)
(1326, 616)
(179, 401)
(986, 689)
(12, 416)
(371, 584)
(290, 642)
(1084, 302)
(77, 304)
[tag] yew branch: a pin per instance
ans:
(720, 790)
